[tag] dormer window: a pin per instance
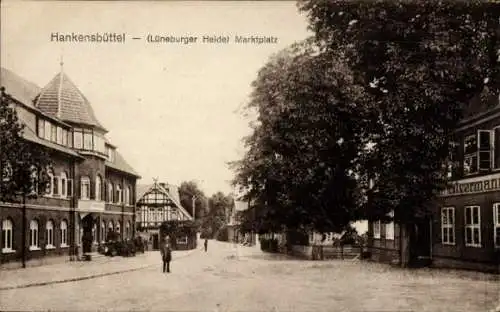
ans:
(470, 154)
(111, 154)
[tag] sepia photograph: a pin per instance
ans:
(306, 155)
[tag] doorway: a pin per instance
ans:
(155, 242)
(421, 245)
(87, 224)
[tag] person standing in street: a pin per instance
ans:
(166, 254)
(206, 244)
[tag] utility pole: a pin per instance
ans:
(194, 206)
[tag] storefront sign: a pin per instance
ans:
(476, 185)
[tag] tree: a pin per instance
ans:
(219, 207)
(298, 170)
(420, 64)
(186, 192)
(22, 164)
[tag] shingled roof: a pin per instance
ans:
(120, 164)
(62, 99)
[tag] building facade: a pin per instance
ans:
(463, 230)
(91, 190)
(157, 203)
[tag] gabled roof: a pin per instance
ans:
(144, 189)
(120, 164)
(62, 99)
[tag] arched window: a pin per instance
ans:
(64, 233)
(34, 180)
(34, 235)
(174, 215)
(63, 184)
(126, 195)
(84, 188)
(49, 234)
(127, 230)
(94, 233)
(7, 238)
(118, 198)
(118, 227)
(98, 187)
(103, 232)
(110, 226)
(110, 192)
(50, 184)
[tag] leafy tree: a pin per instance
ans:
(298, 170)
(22, 164)
(187, 190)
(220, 206)
(420, 64)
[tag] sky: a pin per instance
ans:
(175, 111)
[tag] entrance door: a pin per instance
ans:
(87, 223)
(155, 242)
(421, 242)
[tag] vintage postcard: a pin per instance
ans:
(250, 156)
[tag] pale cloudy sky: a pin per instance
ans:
(173, 110)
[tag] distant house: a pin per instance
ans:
(156, 203)
(463, 230)
(235, 233)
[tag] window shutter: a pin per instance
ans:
(485, 144)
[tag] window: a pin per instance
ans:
(41, 128)
(98, 187)
(64, 233)
(496, 224)
(448, 226)
(470, 154)
(94, 233)
(174, 215)
(103, 232)
(127, 230)
(70, 188)
(34, 180)
(110, 227)
(87, 141)
(110, 192)
(485, 149)
(78, 139)
(111, 154)
(118, 198)
(65, 137)
(34, 235)
(59, 135)
(389, 230)
(50, 187)
(126, 195)
(7, 238)
(84, 188)
(118, 227)
(53, 133)
(376, 229)
(472, 226)
(182, 240)
(47, 131)
(55, 185)
(49, 234)
(63, 184)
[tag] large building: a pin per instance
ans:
(157, 203)
(464, 228)
(91, 190)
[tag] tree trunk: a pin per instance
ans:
(405, 245)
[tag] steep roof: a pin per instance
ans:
(19, 88)
(169, 190)
(62, 99)
(120, 164)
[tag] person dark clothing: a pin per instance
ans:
(206, 244)
(166, 255)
